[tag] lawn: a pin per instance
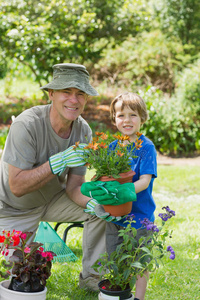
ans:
(178, 187)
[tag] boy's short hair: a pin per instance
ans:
(134, 101)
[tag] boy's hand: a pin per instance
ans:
(111, 192)
(93, 208)
(69, 158)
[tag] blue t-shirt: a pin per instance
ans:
(145, 163)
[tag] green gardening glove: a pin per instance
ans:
(69, 158)
(93, 208)
(110, 192)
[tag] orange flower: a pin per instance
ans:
(119, 153)
(138, 144)
(103, 145)
(121, 138)
(121, 145)
(138, 134)
(76, 145)
(92, 145)
(95, 139)
(117, 136)
(125, 138)
(104, 136)
(99, 133)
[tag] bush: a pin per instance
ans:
(172, 125)
(147, 59)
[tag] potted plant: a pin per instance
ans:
(109, 155)
(130, 260)
(30, 266)
(112, 158)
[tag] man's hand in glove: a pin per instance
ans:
(93, 208)
(110, 192)
(69, 158)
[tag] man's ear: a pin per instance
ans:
(50, 92)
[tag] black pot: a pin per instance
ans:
(27, 287)
(123, 295)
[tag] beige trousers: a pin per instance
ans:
(60, 210)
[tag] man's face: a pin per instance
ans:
(69, 103)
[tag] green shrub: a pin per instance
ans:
(15, 107)
(172, 126)
(146, 59)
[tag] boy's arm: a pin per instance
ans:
(143, 183)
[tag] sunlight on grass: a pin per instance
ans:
(180, 180)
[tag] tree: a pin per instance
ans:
(42, 33)
(181, 18)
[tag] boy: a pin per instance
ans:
(128, 112)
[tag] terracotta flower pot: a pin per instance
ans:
(124, 177)
(122, 209)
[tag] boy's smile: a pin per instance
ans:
(127, 121)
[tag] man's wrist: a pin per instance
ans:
(56, 163)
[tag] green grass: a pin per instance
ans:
(177, 187)
(181, 180)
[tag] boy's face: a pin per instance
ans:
(127, 121)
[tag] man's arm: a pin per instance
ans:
(23, 182)
(73, 186)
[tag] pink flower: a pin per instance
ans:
(27, 250)
(23, 236)
(103, 287)
(49, 256)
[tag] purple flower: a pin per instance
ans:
(130, 217)
(170, 249)
(172, 256)
(169, 213)
(149, 225)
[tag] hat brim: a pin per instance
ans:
(85, 87)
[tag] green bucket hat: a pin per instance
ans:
(68, 75)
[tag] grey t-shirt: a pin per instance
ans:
(30, 143)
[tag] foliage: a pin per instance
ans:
(14, 108)
(146, 59)
(173, 125)
(130, 258)
(30, 264)
(181, 18)
(107, 159)
(42, 33)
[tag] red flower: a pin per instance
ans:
(16, 240)
(2, 238)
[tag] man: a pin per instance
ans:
(41, 174)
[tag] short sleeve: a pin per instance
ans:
(19, 149)
(148, 161)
